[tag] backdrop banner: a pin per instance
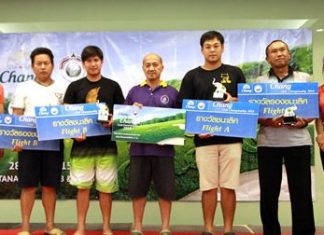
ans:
(123, 55)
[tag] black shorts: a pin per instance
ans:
(39, 167)
(145, 168)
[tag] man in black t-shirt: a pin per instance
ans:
(94, 158)
(218, 158)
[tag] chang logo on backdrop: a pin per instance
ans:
(71, 68)
(164, 99)
(18, 60)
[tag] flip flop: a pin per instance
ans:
(136, 232)
(108, 233)
(24, 233)
(165, 232)
(55, 231)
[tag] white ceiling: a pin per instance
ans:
(123, 15)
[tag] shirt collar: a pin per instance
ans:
(162, 83)
(290, 73)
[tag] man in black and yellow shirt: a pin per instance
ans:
(94, 158)
(218, 158)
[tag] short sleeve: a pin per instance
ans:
(19, 97)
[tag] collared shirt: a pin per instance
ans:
(161, 96)
(289, 75)
(283, 137)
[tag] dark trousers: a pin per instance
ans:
(297, 162)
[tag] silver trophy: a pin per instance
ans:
(289, 116)
(220, 91)
(103, 113)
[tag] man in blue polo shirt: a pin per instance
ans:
(152, 161)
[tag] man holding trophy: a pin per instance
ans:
(94, 158)
(218, 158)
(284, 139)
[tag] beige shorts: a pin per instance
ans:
(219, 165)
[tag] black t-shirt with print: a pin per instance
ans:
(84, 91)
(197, 84)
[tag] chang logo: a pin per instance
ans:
(257, 88)
(164, 99)
(54, 111)
(190, 104)
(71, 68)
(7, 120)
(43, 111)
(26, 119)
(201, 105)
(246, 88)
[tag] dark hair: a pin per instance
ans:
(277, 40)
(91, 51)
(41, 51)
(211, 35)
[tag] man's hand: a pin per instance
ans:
(300, 123)
(229, 97)
(272, 122)
(138, 104)
(320, 141)
(81, 137)
(109, 123)
(17, 148)
(205, 136)
(1, 153)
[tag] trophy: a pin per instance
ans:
(103, 113)
(220, 91)
(289, 116)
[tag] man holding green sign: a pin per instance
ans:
(152, 161)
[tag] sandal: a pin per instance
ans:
(55, 231)
(165, 232)
(24, 233)
(136, 232)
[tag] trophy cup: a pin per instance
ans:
(103, 113)
(220, 91)
(289, 116)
